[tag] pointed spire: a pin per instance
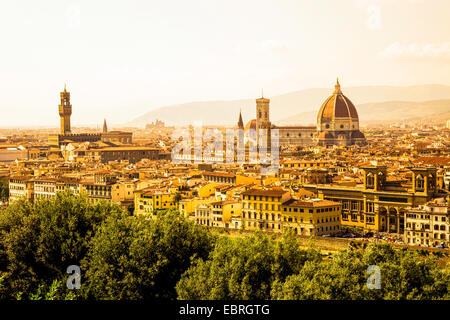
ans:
(262, 92)
(105, 128)
(337, 87)
(240, 122)
(65, 87)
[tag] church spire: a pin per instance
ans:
(337, 87)
(240, 122)
(105, 128)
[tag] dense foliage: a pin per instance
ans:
(39, 241)
(130, 257)
(4, 190)
(137, 258)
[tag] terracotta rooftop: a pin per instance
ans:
(310, 203)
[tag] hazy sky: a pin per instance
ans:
(122, 58)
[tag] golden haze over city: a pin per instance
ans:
(300, 139)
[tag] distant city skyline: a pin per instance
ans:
(120, 60)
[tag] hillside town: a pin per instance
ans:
(334, 180)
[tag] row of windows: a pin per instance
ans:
(278, 226)
(268, 216)
(311, 135)
(426, 235)
(261, 206)
(341, 126)
(353, 216)
(290, 209)
(202, 213)
(303, 164)
(262, 198)
(418, 226)
(416, 216)
(17, 187)
(44, 189)
(426, 226)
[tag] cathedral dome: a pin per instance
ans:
(251, 125)
(337, 106)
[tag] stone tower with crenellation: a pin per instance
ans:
(65, 111)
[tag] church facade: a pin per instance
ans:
(337, 124)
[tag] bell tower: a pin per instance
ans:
(65, 111)
(263, 119)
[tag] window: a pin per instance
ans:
(420, 182)
(370, 180)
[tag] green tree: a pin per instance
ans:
(39, 240)
(139, 258)
(4, 190)
(404, 275)
(243, 268)
(177, 198)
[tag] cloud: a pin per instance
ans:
(73, 16)
(273, 46)
(415, 50)
(373, 21)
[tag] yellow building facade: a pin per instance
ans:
(149, 201)
(380, 205)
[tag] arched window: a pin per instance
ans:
(431, 182)
(381, 179)
(370, 180)
(420, 182)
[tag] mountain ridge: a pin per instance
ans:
(288, 105)
(385, 111)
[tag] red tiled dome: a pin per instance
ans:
(251, 125)
(337, 106)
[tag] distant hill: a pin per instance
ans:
(299, 107)
(385, 111)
